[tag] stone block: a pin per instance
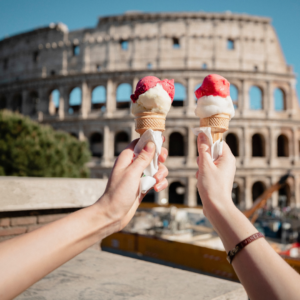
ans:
(4, 222)
(34, 227)
(23, 221)
(50, 218)
(12, 230)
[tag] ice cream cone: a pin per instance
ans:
(218, 123)
(149, 120)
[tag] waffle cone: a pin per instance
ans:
(218, 123)
(149, 120)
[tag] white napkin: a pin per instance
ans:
(147, 180)
(216, 147)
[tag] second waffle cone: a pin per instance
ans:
(149, 120)
(218, 123)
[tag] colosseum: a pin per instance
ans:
(80, 82)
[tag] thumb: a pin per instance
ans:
(144, 158)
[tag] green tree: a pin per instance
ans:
(30, 149)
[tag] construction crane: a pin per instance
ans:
(260, 202)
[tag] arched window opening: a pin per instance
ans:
(199, 201)
(230, 44)
(232, 142)
(98, 97)
(17, 103)
(75, 101)
(196, 88)
(176, 43)
(150, 197)
(124, 91)
(180, 95)
(258, 145)
(257, 190)
(234, 94)
(235, 193)
(176, 193)
(282, 146)
(279, 100)
(176, 144)
(255, 96)
(54, 102)
(121, 142)
(284, 196)
(3, 103)
(73, 134)
(96, 144)
(32, 104)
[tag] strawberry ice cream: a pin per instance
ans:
(152, 95)
(214, 97)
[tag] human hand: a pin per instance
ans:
(215, 179)
(121, 197)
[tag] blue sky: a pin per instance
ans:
(23, 15)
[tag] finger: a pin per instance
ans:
(163, 139)
(161, 185)
(126, 156)
(197, 174)
(226, 159)
(203, 149)
(198, 161)
(163, 155)
(143, 159)
(161, 173)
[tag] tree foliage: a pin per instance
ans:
(30, 149)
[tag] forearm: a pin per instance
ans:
(264, 274)
(28, 258)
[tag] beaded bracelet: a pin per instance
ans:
(232, 253)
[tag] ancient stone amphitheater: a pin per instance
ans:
(80, 82)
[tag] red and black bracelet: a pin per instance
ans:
(232, 253)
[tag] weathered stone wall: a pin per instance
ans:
(256, 59)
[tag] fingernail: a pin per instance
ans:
(149, 147)
(159, 187)
(202, 137)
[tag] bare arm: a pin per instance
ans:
(263, 273)
(28, 258)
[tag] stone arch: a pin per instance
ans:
(258, 145)
(284, 196)
(3, 102)
(75, 100)
(121, 142)
(176, 192)
(256, 98)
(176, 144)
(235, 193)
(54, 96)
(258, 188)
(180, 95)
(16, 104)
(233, 143)
(98, 97)
(124, 91)
(32, 103)
(96, 144)
(282, 146)
(234, 94)
(279, 99)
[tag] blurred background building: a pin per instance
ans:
(81, 81)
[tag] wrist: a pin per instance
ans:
(110, 222)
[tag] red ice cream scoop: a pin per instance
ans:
(149, 82)
(213, 85)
